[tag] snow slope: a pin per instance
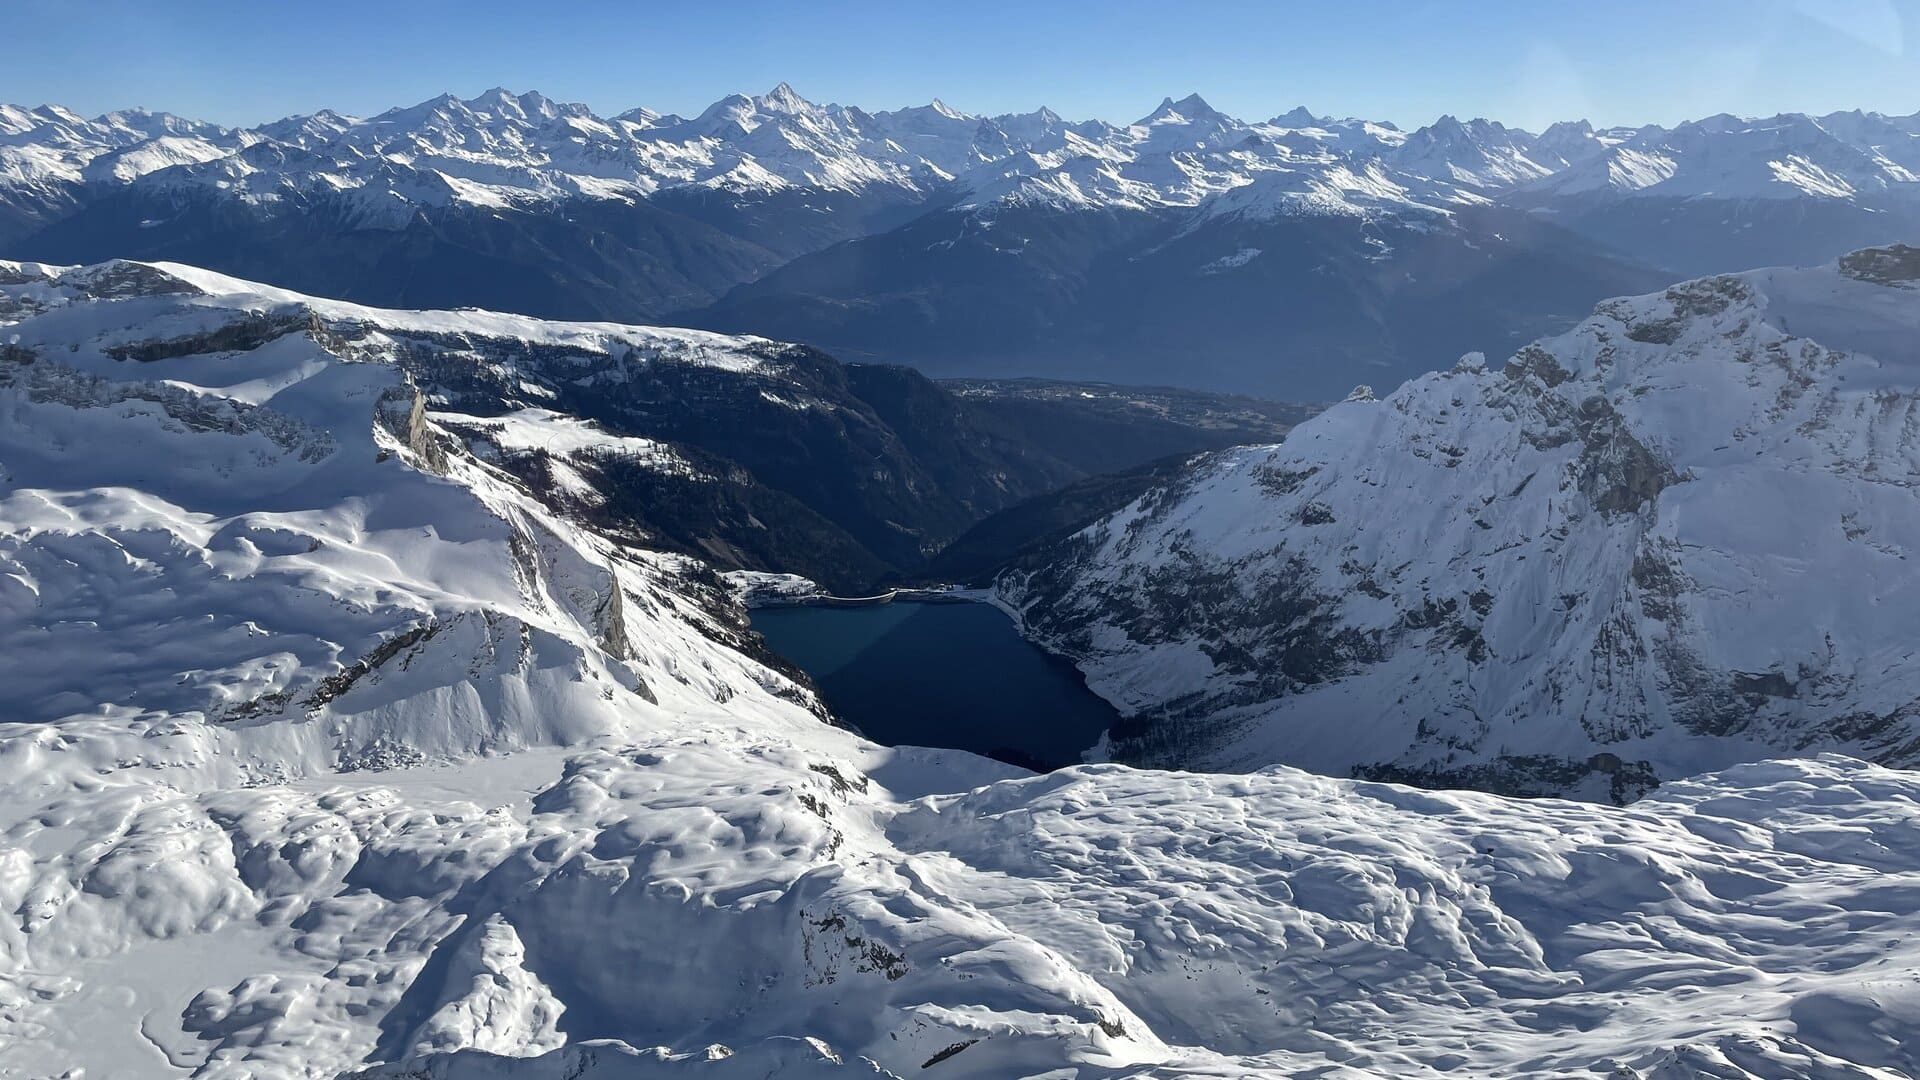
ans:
(1676, 537)
(327, 748)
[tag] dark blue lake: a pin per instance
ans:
(955, 675)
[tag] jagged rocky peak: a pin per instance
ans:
(1566, 142)
(530, 107)
(947, 111)
(783, 98)
(1192, 109)
(1572, 572)
(1450, 128)
(1298, 117)
(1482, 154)
(1572, 129)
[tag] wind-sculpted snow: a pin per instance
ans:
(328, 750)
(722, 888)
(1676, 537)
(1284, 918)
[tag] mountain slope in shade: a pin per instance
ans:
(1670, 539)
(1292, 306)
(331, 751)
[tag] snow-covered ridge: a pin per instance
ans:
(502, 150)
(328, 750)
(1841, 157)
(1673, 538)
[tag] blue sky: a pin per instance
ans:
(1613, 61)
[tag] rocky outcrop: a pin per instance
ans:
(43, 380)
(242, 333)
(402, 412)
(1895, 265)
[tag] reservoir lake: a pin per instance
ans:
(941, 674)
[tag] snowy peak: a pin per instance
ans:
(531, 108)
(1187, 124)
(1567, 143)
(783, 99)
(646, 118)
(314, 128)
(1042, 117)
(1299, 117)
(748, 114)
(1190, 109)
(737, 110)
(1482, 154)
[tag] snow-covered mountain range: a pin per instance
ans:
(1679, 535)
(887, 234)
(501, 149)
(328, 748)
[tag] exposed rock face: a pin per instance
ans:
(403, 412)
(1897, 264)
(1661, 542)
